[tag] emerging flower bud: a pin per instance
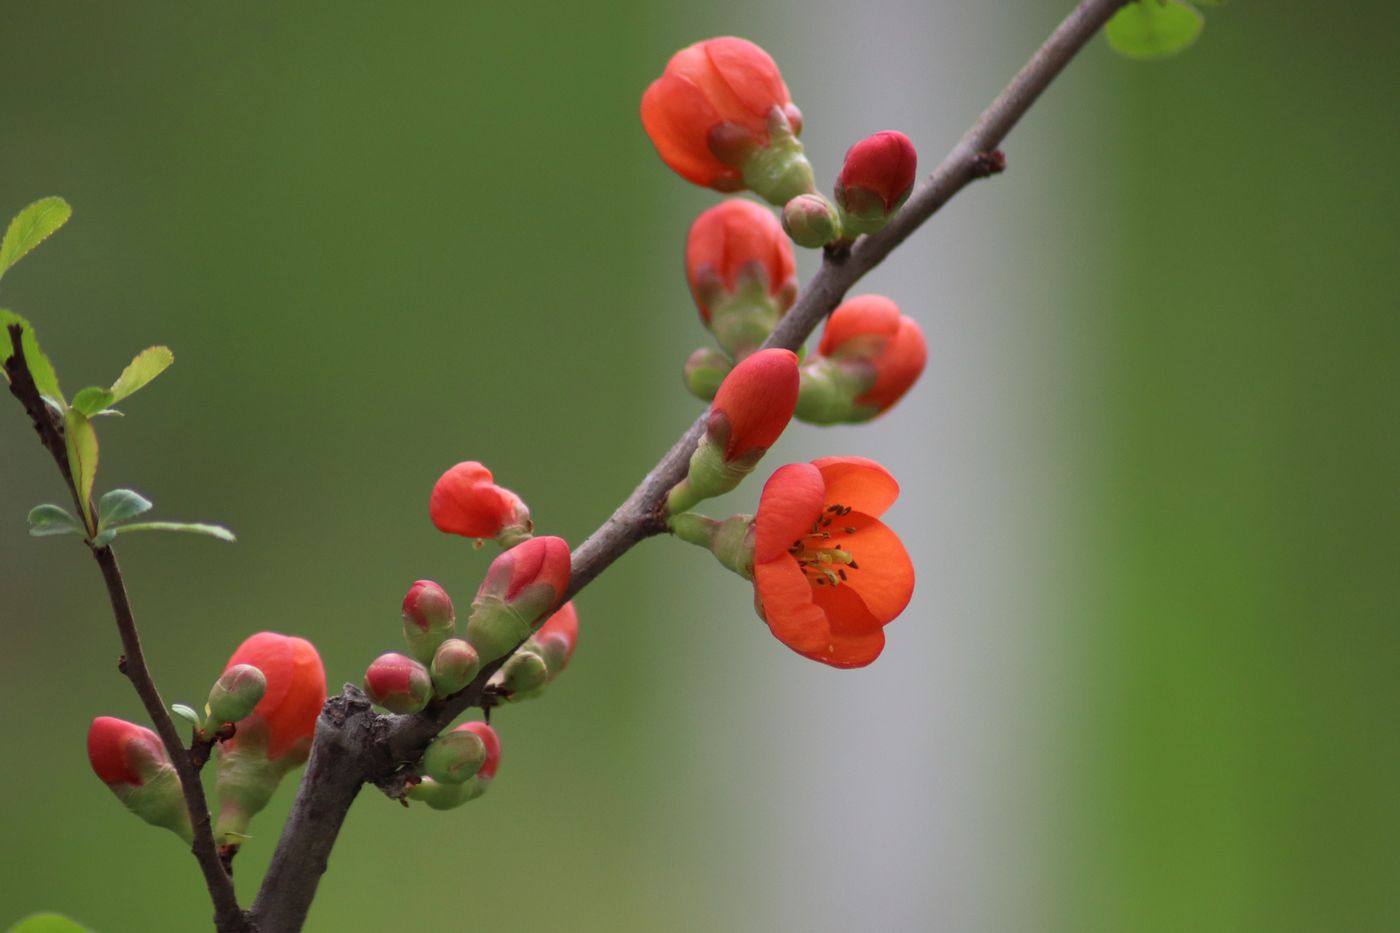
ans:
(235, 693)
(704, 370)
(521, 587)
(445, 796)
(454, 757)
(875, 181)
(276, 736)
(869, 356)
(522, 676)
(750, 411)
(741, 271)
(398, 683)
(812, 221)
(466, 502)
(720, 116)
(557, 638)
(428, 619)
(454, 666)
(132, 762)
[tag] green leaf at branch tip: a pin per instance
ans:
(1150, 29)
(81, 440)
(45, 379)
(118, 505)
(31, 227)
(47, 923)
(92, 400)
(147, 365)
(194, 528)
(188, 714)
(50, 519)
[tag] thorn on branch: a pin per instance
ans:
(987, 164)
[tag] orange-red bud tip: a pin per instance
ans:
(122, 752)
(466, 502)
(755, 403)
(875, 180)
(296, 689)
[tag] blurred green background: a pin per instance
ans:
(1148, 682)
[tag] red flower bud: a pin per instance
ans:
(868, 333)
(428, 618)
(735, 246)
(132, 762)
(466, 502)
(521, 586)
(557, 638)
(718, 111)
(398, 683)
(491, 741)
(122, 752)
(875, 180)
(755, 403)
(296, 689)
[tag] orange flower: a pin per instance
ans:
(296, 690)
(720, 116)
(869, 332)
(828, 575)
(466, 502)
(738, 243)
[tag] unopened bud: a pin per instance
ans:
(704, 370)
(521, 587)
(522, 677)
(444, 796)
(132, 762)
(398, 683)
(556, 639)
(428, 619)
(748, 415)
(875, 181)
(454, 757)
(869, 356)
(466, 502)
(455, 665)
(812, 221)
(235, 693)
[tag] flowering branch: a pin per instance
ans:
(228, 917)
(354, 746)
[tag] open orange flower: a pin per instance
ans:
(828, 575)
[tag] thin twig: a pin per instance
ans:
(354, 746)
(228, 916)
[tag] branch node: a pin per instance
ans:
(989, 163)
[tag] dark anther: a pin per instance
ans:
(853, 565)
(849, 531)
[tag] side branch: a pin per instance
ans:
(228, 916)
(354, 746)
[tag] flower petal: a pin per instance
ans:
(884, 580)
(791, 501)
(677, 117)
(858, 483)
(786, 599)
(855, 635)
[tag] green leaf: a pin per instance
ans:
(187, 714)
(147, 365)
(47, 923)
(120, 504)
(91, 400)
(104, 537)
(194, 528)
(82, 456)
(31, 227)
(45, 379)
(49, 519)
(1151, 29)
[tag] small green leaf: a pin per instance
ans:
(47, 923)
(120, 504)
(49, 519)
(147, 365)
(107, 413)
(1151, 29)
(104, 537)
(31, 227)
(195, 528)
(187, 714)
(82, 456)
(45, 379)
(91, 400)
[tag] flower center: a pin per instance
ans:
(824, 561)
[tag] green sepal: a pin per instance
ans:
(159, 801)
(828, 391)
(495, 628)
(523, 676)
(448, 796)
(454, 757)
(779, 171)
